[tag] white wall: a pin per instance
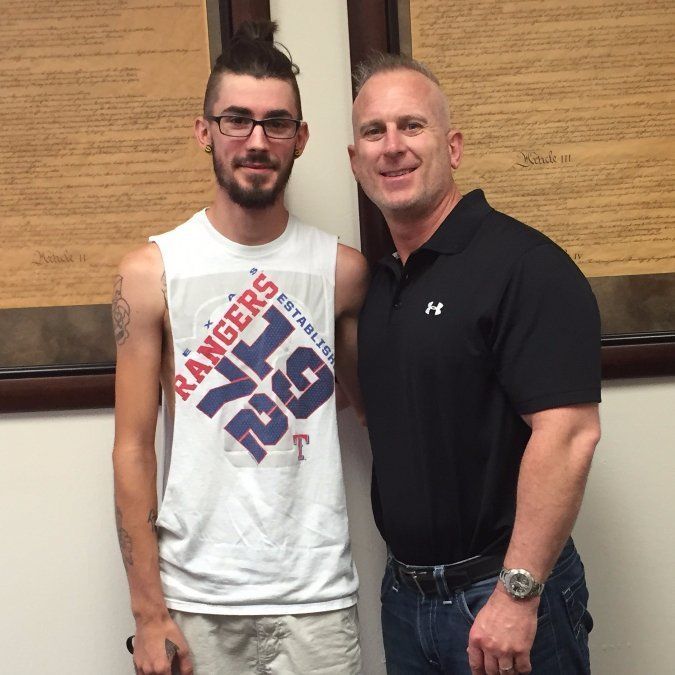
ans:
(321, 187)
(625, 531)
(62, 587)
(323, 192)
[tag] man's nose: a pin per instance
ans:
(257, 138)
(394, 143)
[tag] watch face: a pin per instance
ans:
(520, 584)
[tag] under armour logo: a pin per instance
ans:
(436, 308)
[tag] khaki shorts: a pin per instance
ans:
(323, 643)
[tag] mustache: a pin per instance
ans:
(256, 158)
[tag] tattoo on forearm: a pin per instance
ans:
(152, 519)
(166, 302)
(121, 313)
(124, 539)
(171, 649)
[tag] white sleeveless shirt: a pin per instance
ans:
(253, 518)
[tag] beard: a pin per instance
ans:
(253, 195)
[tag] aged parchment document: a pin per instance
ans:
(568, 114)
(97, 102)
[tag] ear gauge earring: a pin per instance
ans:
(208, 149)
(296, 153)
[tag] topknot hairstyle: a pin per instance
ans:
(252, 51)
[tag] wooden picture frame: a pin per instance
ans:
(87, 380)
(375, 25)
(69, 361)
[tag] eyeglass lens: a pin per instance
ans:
(274, 127)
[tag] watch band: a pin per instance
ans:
(520, 584)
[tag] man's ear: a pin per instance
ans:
(202, 133)
(351, 151)
(455, 147)
(301, 139)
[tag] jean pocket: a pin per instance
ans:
(576, 604)
(471, 600)
(474, 598)
(389, 582)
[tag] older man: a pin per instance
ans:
(479, 364)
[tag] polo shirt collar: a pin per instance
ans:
(457, 230)
(460, 225)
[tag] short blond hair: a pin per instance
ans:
(380, 62)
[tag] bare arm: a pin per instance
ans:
(138, 316)
(351, 284)
(551, 484)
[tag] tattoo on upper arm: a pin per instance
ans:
(166, 302)
(124, 539)
(120, 312)
(152, 519)
(171, 649)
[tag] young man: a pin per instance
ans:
(243, 313)
(479, 365)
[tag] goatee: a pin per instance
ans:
(252, 196)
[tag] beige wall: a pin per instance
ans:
(62, 589)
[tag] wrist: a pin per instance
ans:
(150, 613)
(531, 604)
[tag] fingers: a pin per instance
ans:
(505, 666)
(181, 664)
(157, 667)
(475, 660)
(490, 664)
(182, 660)
(147, 662)
(522, 663)
(484, 663)
(185, 666)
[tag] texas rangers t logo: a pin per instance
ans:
(299, 439)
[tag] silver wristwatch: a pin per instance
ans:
(520, 584)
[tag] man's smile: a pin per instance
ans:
(398, 173)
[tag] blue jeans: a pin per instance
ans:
(425, 634)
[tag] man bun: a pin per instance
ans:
(256, 30)
(252, 51)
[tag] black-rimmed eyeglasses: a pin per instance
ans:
(242, 127)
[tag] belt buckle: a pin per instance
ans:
(413, 575)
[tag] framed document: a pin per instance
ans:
(568, 114)
(97, 154)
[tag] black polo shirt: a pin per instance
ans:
(487, 321)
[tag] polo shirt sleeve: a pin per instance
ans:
(547, 333)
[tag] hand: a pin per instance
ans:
(158, 645)
(502, 635)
